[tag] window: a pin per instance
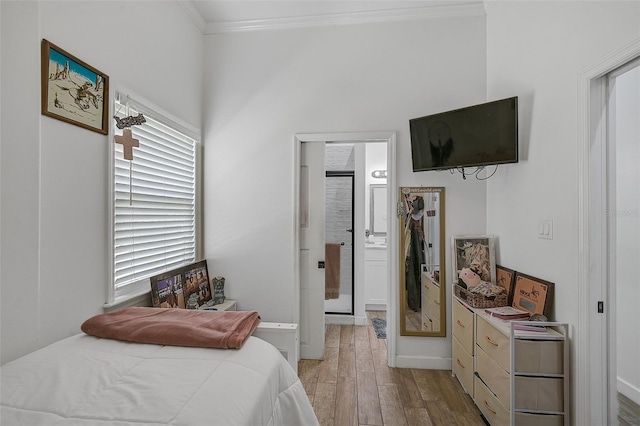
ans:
(154, 200)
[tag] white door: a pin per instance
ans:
(312, 193)
(623, 213)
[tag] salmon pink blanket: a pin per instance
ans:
(175, 327)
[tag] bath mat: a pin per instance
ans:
(380, 327)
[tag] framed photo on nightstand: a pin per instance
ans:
(186, 287)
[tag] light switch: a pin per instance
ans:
(545, 229)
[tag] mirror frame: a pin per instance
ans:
(442, 266)
(374, 202)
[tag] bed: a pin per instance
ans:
(89, 380)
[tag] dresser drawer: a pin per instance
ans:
(463, 325)
(435, 323)
(431, 289)
(463, 366)
(493, 342)
(539, 393)
(496, 379)
(433, 309)
(496, 413)
(536, 356)
(528, 419)
(427, 323)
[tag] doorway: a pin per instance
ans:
(312, 336)
(597, 333)
(623, 214)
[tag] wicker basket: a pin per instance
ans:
(479, 301)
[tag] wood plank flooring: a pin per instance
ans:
(628, 411)
(353, 386)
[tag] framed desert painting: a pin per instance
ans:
(73, 91)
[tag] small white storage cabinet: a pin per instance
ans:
(375, 278)
(515, 377)
(539, 376)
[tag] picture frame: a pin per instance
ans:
(187, 287)
(72, 90)
(467, 250)
(217, 283)
(506, 278)
(533, 295)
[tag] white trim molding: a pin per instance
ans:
(436, 10)
(590, 348)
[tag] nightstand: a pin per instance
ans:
(227, 305)
(284, 336)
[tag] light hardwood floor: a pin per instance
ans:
(628, 411)
(354, 386)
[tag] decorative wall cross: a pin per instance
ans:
(128, 143)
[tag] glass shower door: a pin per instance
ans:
(339, 238)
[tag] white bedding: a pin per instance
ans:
(85, 380)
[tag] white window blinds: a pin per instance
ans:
(154, 202)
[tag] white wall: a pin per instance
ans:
(55, 266)
(537, 50)
(261, 88)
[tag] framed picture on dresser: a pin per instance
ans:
(475, 250)
(533, 295)
(506, 278)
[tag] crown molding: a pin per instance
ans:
(194, 14)
(394, 15)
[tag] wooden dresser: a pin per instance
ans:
(514, 377)
(463, 344)
(430, 303)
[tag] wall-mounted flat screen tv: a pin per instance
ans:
(474, 136)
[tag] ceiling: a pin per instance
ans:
(225, 15)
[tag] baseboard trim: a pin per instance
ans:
(375, 307)
(424, 363)
(344, 319)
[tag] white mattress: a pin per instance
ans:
(85, 380)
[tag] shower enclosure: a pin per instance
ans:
(339, 200)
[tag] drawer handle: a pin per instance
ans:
(460, 324)
(437, 302)
(491, 341)
(460, 363)
(489, 408)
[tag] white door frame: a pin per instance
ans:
(591, 343)
(392, 238)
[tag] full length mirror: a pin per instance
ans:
(422, 270)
